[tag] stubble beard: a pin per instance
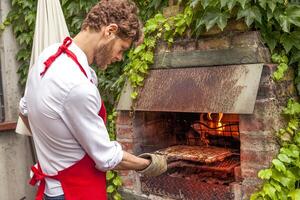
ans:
(103, 55)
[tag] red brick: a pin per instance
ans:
(123, 118)
(258, 141)
(126, 145)
(266, 117)
(238, 174)
(128, 183)
(124, 132)
(250, 123)
(249, 186)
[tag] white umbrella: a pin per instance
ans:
(50, 28)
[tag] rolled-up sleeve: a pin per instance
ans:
(80, 114)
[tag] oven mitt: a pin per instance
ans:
(157, 166)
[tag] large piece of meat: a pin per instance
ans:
(203, 154)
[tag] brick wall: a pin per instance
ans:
(257, 131)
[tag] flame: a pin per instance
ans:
(220, 127)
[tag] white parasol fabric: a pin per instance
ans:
(50, 28)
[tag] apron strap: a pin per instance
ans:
(62, 49)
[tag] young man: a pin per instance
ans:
(64, 111)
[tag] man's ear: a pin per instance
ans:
(111, 30)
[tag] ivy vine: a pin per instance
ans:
(279, 24)
(277, 20)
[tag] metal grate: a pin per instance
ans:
(178, 188)
(226, 129)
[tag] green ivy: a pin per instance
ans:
(279, 24)
(277, 20)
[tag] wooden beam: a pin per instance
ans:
(201, 58)
(7, 126)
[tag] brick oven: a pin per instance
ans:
(211, 106)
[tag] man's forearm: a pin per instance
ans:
(25, 120)
(131, 162)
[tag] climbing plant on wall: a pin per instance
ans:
(279, 24)
(277, 20)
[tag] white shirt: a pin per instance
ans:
(62, 109)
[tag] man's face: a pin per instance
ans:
(111, 52)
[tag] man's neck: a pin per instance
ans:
(87, 42)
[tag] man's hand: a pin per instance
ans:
(157, 166)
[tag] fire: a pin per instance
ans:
(217, 124)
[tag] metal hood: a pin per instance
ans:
(226, 89)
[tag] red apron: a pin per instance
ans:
(81, 181)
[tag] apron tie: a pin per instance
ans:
(38, 175)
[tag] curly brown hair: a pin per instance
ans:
(124, 13)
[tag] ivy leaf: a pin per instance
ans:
(133, 95)
(23, 54)
(263, 3)
(270, 190)
(284, 158)
(265, 174)
(188, 15)
(295, 57)
(279, 165)
(63, 2)
(271, 38)
(256, 195)
(139, 48)
(194, 3)
(293, 108)
(293, 14)
(110, 189)
(231, 4)
(205, 3)
(223, 3)
(290, 16)
(150, 26)
(287, 41)
(117, 181)
(117, 196)
(297, 138)
(284, 23)
(282, 179)
(148, 56)
(214, 16)
(222, 20)
(73, 8)
(279, 73)
(289, 152)
(276, 185)
(243, 3)
(272, 5)
(295, 36)
(159, 18)
(250, 14)
(109, 175)
(294, 194)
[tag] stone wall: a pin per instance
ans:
(257, 131)
(15, 152)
